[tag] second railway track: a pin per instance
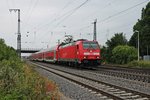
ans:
(145, 71)
(127, 73)
(109, 90)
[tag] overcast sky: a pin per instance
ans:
(43, 22)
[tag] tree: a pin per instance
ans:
(117, 39)
(124, 54)
(143, 27)
(103, 53)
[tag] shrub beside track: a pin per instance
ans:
(18, 81)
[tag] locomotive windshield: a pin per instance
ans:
(90, 45)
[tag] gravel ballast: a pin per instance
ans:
(72, 91)
(125, 83)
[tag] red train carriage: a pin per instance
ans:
(38, 56)
(81, 52)
(50, 55)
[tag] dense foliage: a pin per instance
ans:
(117, 39)
(143, 27)
(124, 54)
(18, 81)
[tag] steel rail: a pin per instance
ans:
(109, 94)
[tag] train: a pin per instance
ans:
(81, 52)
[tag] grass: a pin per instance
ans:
(132, 64)
(43, 88)
(139, 64)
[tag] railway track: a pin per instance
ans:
(145, 71)
(142, 75)
(109, 90)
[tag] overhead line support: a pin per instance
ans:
(19, 33)
(94, 35)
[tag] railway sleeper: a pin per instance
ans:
(119, 92)
(114, 90)
(126, 94)
(134, 97)
(142, 98)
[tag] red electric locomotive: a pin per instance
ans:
(80, 52)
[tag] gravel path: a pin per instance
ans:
(71, 90)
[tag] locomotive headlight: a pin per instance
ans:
(86, 53)
(95, 53)
(97, 57)
(85, 57)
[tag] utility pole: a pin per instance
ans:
(19, 34)
(94, 35)
(138, 46)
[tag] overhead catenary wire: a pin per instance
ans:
(116, 14)
(63, 16)
(96, 12)
(104, 7)
(58, 16)
(73, 11)
(120, 27)
(70, 13)
(99, 21)
(29, 8)
(68, 4)
(32, 9)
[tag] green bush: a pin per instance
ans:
(124, 54)
(10, 78)
(139, 64)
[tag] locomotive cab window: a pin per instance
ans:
(90, 45)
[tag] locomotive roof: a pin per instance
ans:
(74, 42)
(84, 40)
